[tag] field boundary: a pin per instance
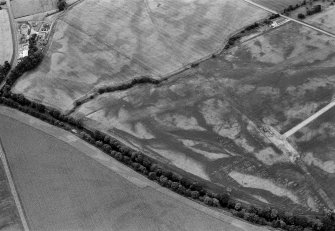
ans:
(12, 188)
(122, 170)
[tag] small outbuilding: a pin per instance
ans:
(280, 21)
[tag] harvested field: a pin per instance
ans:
(23, 8)
(324, 20)
(205, 121)
(6, 42)
(106, 42)
(9, 219)
(62, 188)
(316, 143)
(277, 5)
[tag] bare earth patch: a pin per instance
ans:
(256, 182)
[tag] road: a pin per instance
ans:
(309, 119)
(292, 19)
(14, 38)
(13, 189)
(14, 34)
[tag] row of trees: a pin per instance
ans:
(156, 172)
(232, 40)
(151, 168)
(27, 63)
(4, 69)
(121, 87)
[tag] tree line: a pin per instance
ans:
(121, 87)
(152, 169)
(61, 4)
(4, 70)
(158, 173)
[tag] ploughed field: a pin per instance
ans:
(207, 120)
(105, 42)
(6, 42)
(62, 188)
(23, 8)
(277, 5)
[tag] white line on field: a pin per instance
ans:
(12, 188)
(309, 120)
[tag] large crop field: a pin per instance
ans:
(62, 188)
(277, 5)
(6, 42)
(23, 8)
(205, 121)
(209, 120)
(106, 42)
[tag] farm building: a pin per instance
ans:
(279, 22)
(23, 50)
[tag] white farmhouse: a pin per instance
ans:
(279, 22)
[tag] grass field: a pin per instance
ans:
(6, 42)
(64, 189)
(204, 121)
(23, 8)
(324, 20)
(9, 219)
(106, 42)
(278, 5)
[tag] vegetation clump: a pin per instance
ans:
(61, 4)
(4, 70)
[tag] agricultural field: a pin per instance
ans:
(206, 120)
(324, 20)
(9, 219)
(62, 188)
(316, 143)
(6, 42)
(277, 5)
(104, 42)
(23, 8)
(209, 120)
